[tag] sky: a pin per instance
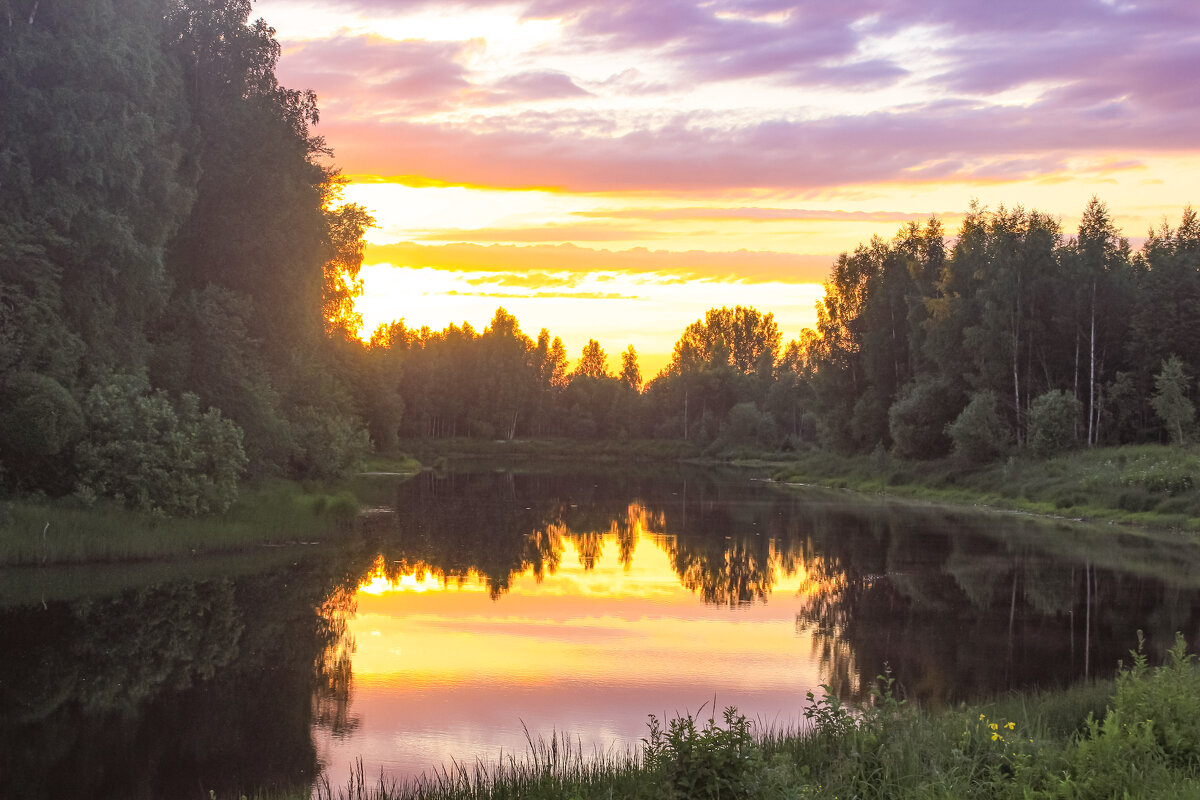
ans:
(610, 170)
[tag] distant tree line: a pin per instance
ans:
(1008, 335)
(175, 270)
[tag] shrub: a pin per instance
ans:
(38, 417)
(150, 455)
(1052, 419)
(747, 425)
(1152, 725)
(978, 433)
(917, 420)
(329, 445)
(1166, 699)
(705, 762)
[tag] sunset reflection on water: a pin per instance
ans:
(605, 635)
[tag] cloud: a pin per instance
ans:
(370, 77)
(544, 295)
(993, 92)
(745, 265)
(363, 76)
(687, 152)
(536, 85)
(750, 214)
(544, 233)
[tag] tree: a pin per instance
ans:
(1170, 401)
(347, 226)
(593, 363)
(631, 375)
(1102, 258)
(978, 432)
(1052, 420)
(917, 420)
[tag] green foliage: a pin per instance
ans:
(917, 420)
(329, 445)
(978, 433)
(1170, 402)
(1165, 700)
(831, 719)
(150, 454)
(38, 416)
(708, 761)
(1053, 418)
(747, 425)
(1171, 476)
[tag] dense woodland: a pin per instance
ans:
(170, 244)
(178, 275)
(1009, 334)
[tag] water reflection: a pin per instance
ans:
(163, 691)
(581, 604)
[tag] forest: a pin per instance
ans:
(178, 274)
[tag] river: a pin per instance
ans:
(471, 611)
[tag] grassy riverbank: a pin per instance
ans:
(268, 513)
(1142, 484)
(1135, 737)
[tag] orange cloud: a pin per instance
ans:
(743, 265)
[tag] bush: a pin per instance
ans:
(329, 445)
(1052, 419)
(978, 433)
(917, 420)
(747, 425)
(38, 417)
(150, 455)
(1152, 726)
(706, 762)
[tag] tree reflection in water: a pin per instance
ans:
(957, 604)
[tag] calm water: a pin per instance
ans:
(469, 608)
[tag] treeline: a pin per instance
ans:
(503, 384)
(1015, 336)
(1008, 335)
(175, 269)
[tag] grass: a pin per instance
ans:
(269, 513)
(1137, 736)
(1144, 484)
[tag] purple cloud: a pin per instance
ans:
(1111, 77)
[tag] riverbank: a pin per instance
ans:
(1137, 736)
(268, 513)
(1151, 485)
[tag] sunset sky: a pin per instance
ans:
(613, 169)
